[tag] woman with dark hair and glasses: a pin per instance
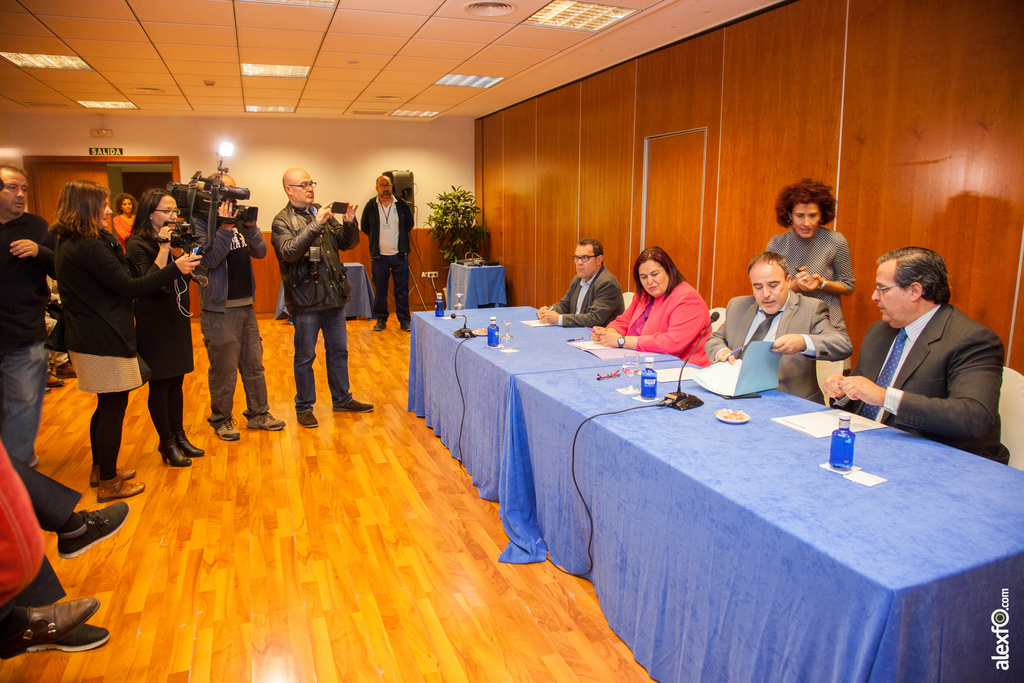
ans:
(97, 289)
(819, 260)
(162, 326)
(667, 315)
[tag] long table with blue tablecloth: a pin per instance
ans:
(468, 409)
(725, 553)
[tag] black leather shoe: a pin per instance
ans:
(47, 625)
(187, 448)
(171, 455)
(380, 326)
(406, 327)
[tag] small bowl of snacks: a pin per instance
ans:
(732, 417)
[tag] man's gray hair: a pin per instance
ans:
(923, 266)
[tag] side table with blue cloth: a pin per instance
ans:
(485, 376)
(724, 553)
(480, 286)
(360, 303)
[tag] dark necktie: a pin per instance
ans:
(888, 372)
(762, 330)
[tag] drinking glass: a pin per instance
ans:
(458, 303)
(505, 344)
(630, 366)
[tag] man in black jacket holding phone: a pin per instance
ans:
(387, 220)
(307, 239)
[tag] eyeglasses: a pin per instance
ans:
(880, 289)
(582, 259)
(308, 185)
(614, 374)
(167, 211)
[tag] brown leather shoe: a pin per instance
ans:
(53, 381)
(112, 489)
(65, 371)
(94, 477)
(47, 625)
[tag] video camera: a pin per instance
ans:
(202, 197)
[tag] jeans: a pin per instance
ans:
(307, 329)
(234, 347)
(397, 267)
(22, 387)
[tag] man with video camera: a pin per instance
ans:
(228, 319)
(307, 239)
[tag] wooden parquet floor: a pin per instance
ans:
(358, 551)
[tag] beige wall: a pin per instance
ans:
(344, 157)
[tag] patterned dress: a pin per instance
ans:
(827, 254)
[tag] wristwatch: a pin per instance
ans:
(622, 342)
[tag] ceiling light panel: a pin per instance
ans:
(580, 16)
(92, 104)
(468, 81)
(27, 61)
(263, 109)
(295, 3)
(275, 70)
(420, 114)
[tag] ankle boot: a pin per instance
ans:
(112, 489)
(187, 448)
(171, 455)
(94, 476)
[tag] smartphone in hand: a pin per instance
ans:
(339, 207)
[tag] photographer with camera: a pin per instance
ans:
(307, 239)
(228, 319)
(163, 332)
(97, 288)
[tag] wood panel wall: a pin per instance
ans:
(912, 109)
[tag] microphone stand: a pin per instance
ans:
(678, 399)
(464, 332)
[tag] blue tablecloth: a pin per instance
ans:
(360, 303)
(480, 285)
(724, 553)
(485, 376)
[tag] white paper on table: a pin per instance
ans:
(864, 478)
(672, 374)
(536, 323)
(591, 346)
(826, 466)
(822, 423)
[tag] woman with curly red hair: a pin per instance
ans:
(819, 260)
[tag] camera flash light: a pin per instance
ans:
(226, 148)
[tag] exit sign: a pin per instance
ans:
(106, 151)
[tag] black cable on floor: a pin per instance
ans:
(463, 398)
(590, 519)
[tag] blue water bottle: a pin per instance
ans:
(841, 455)
(439, 306)
(492, 333)
(649, 380)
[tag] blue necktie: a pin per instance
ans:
(888, 372)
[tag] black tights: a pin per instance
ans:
(166, 405)
(105, 431)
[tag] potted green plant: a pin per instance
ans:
(453, 224)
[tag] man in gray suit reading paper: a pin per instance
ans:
(798, 325)
(926, 367)
(594, 297)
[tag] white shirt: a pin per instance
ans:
(584, 286)
(388, 235)
(894, 396)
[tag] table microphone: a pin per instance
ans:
(463, 332)
(678, 399)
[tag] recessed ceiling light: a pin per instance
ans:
(270, 110)
(148, 91)
(45, 104)
(300, 3)
(368, 112)
(386, 98)
(582, 16)
(490, 9)
(406, 112)
(275, 70)
(27, 61)
(91, 104)
(469, 81)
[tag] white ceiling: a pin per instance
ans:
(368, 57)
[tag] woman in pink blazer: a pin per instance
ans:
(667, 314)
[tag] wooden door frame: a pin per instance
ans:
(31, 164)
